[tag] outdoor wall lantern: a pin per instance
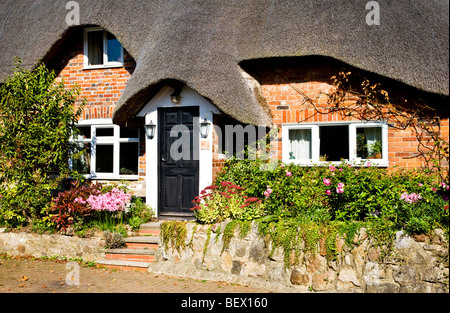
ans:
(175, 97)
(204, 128)
(150, 130)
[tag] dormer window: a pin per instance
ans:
(101, 49)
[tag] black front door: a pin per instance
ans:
(178, 170)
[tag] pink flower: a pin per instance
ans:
(340, 188)
(288, 173)
(326, 182)
(410, 198)
(268, 192)
(332, 168)
(420, 184)
(115, 200)
(79, 200)
(340, 170)
(403, 196)
(328, 192)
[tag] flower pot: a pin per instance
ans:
(376, 156)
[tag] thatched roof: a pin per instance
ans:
(201, 43)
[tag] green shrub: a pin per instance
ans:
(139, 213)
(113, 240)
(37, 119)
(344, 193)
(227, 200)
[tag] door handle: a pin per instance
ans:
(163, 160)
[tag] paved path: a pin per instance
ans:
(37, 276)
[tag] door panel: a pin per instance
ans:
(178, 179)
(170, 184)
(188, 183)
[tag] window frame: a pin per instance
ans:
(315, 145)
(106, 63)
(114, 140)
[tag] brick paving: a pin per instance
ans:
(45, 276)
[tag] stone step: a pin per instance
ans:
(139, 252)
(176, 216)
(140, 255)
(141, 242)
(152, 228)
(124, 265)
(151, 225)
(143, 232)
(129, 251)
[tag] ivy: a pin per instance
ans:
(228, 232)
(174, 233)
(296, 237)
(208, 239)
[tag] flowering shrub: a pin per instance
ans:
(410, 200)
(112, 201)
(70, 206)
(227, 200)
(106, 207)
(268, 192)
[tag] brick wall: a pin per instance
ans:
(101, 88)
(218, 160)
(287, 90)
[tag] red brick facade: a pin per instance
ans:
(101, 88)
(285, 91)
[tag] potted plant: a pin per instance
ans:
(375, 150)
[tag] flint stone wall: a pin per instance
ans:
(417, 265)
(26, 244)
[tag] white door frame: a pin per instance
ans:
(189, 98)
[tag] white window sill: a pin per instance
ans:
(103, 66)
(374, 162)
(111, 177)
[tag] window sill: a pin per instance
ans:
(111, 177)
(99, 67)
(362, 163)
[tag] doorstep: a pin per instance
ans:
(124, 265)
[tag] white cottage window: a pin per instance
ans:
(101, 49)
(110, 151)
(308, 144)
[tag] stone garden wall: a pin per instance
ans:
(26, 244)
(417, 265)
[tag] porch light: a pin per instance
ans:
(150, 130)
(204, 128)
(175, 97)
